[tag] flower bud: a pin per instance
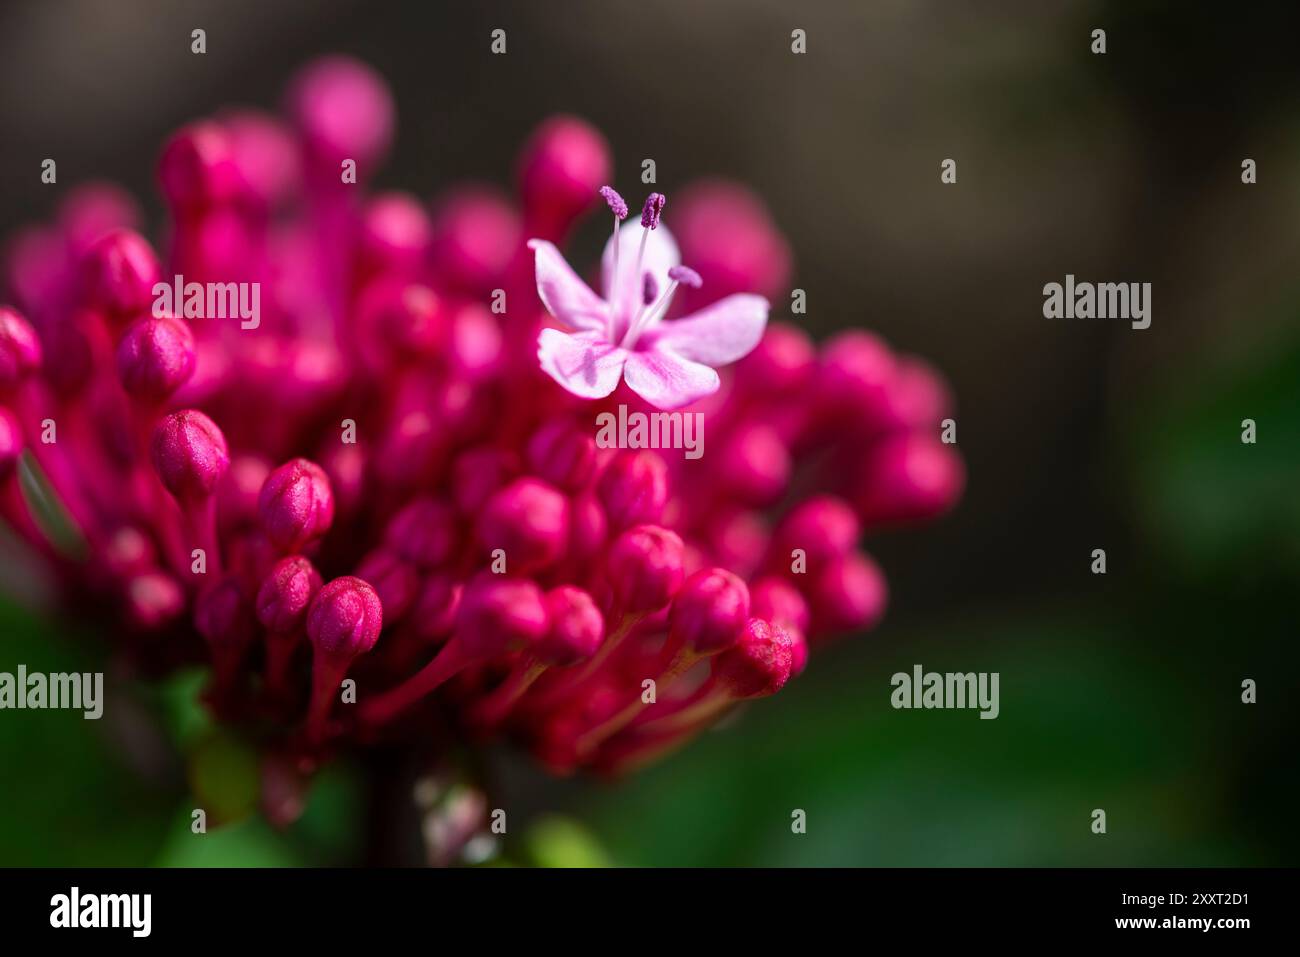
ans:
(847, 594)
(286, 593)
(561, 168)
(634, 488)
(344, 620)
(20, 349)
(395, 235)
(760, 662)
(645, 568)
(155, 358)
(497, 615)
(529, 520)
(576, 627)
(11, 443)
(394, 580)
(782, 362)
(154, 599)
(198, 168)
(823, 526)
(562, 454)
(728, 236)
(475, 235)
(776, 600)
(189, 454)
(296, 505)
(477, 473)
(855, 377)
(709, 611)
(423, 532)
(755, 465)
(343, 110)
(907, 478)
(119, 272)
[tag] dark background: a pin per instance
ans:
(1119, 692)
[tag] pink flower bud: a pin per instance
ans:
(759, 664)
(92, 210)
(398, 322)
(286, 593)
(344, 620)
(239, 489)
(823, 526)
(645, 567)
(128, 551)
(119, 272)
(709, 611)
(576, 627)
(394, 580)
(478, 473)
(154, 599)
(907, 478)
(587, 528)
(189, 454)
(783, 361)
(436, 606)
(395, 235)
(423, 532)
(725, 232)
(476, 234)
(563, 454)
(500, 614)
(155, 358)
(634, 488)
(776, 600)
(856, 376)
(847, 594)
(755, 464)
(223, 616)
(296, 505)
(11, 442)
(561, 169)
(343, 110)
(198, 168)
(20, 349)
(919, 397)
(529, 520)
(265, 154)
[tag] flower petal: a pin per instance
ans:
(584, 363)
(717, 335)
(624, 295)
(565, 296)
(666, 380)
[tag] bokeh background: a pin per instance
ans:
(1119, 692)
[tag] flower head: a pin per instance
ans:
(444, 522)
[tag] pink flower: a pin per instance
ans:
(622, 335)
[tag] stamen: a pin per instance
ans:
(649, 288)
(615, 203)
(649, 316)
(654, 205)
(618, 207)
(686, 276)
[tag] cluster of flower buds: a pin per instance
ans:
(374, 486)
